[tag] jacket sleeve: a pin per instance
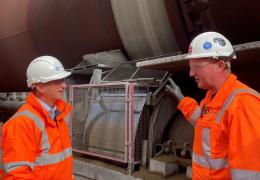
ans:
(190, 109)
(244, 137)
(19, 146)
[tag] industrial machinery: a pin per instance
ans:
(110, 119)
(122, 114)
(127, 116)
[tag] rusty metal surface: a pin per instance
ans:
(177, 24)
(30, 28)
(70, 30)
(16, 52)
(13, 17)
(238, 20)
(16, 47)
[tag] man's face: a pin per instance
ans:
(53, 90)
(205, 72)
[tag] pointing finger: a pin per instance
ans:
(172, 82)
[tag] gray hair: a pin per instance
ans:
(228, 65)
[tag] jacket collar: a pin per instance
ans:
(63, 108)
(224, 91)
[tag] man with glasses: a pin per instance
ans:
(35, 141)
(227, 121)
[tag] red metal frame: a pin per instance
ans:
(129, 121)
(126, 122)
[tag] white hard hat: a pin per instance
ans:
(44, 69)
(210, 44)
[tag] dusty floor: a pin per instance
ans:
(141, 173)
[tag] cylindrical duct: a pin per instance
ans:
(144, 27)
(8, 109)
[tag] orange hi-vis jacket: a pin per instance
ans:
(227, 132)
(1, 163)
(35, 146)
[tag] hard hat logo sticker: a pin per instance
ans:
(220, 41)
(57, 68)
(207, 45)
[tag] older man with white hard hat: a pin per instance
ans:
(227, 120)
(35, 141)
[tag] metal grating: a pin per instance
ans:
(141, 133)
(129, 71)
(140, 93)
(105, 119)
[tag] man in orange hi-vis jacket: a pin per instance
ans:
(227, 120)
(35, 140)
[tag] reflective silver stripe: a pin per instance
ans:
(206, 161)
(195, 115)
(1, 166)
(1, 160)
(209, 163)
(13, 165)
(238, 174)
(45, 158)
(206, 142)
(45, 146)
(230, 99)
(32, 116)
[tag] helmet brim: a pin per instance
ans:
(56, 77)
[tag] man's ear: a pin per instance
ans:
(40, 88)
(221, 65)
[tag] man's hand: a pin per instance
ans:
(174, 90)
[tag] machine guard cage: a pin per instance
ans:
(105, 120)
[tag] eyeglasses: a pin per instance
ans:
(199, 65)
(57, 82)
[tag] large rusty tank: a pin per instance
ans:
(141, 29)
